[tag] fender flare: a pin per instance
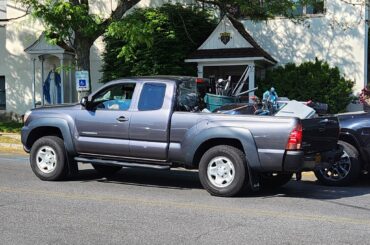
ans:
(197, 137)
(352, 135)
(59, 123)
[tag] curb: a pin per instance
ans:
(11, 135)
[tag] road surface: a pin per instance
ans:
(170, 207)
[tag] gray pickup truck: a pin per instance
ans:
(155, 122)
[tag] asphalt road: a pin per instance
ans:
(170, 207)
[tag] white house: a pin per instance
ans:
(336, 32)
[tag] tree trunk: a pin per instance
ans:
(82, 47)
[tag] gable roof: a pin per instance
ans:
(240, 27)
(240, 45)
(42, 46)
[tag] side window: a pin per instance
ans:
(152, 96)
(116, 97)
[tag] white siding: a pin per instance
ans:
(2, 9)
(338, 37)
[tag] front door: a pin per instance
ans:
(103, 128)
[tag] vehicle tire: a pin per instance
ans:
(344, 172)
(274, 180)
(223, 171)
(48, 158)
(106, 170)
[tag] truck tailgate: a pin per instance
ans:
(320, 134)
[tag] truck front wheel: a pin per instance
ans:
(222, 171)
(48, 158)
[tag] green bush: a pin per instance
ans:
(315, 81)
(10, 127)
(155, 41)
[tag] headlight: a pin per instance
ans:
(26, 115)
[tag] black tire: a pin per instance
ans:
(52, 149)
(106, 171)
(240, 175)
(272, 181)
(352, 165)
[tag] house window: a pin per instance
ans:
(2, 93)
(313, 8)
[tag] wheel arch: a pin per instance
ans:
(48, 127)
(40, 132)
(208, 144)
(240, 138)
(351, 139)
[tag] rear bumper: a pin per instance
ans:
(322, 159)
(293, 161)
(297, 161)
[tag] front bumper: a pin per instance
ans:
(24, 135)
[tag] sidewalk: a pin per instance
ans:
(10, 143)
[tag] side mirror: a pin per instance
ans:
(84, 101)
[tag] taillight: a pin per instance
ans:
(199, 80)
(295, 139)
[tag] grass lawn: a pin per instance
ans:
(10, 127)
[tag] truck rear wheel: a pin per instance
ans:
(222, 171)
(343, 172)
(48, 158)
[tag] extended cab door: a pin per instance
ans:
(150, 121)
(103, 127)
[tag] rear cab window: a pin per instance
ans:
(152, 96)
(187, 96)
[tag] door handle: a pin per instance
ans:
(122, 119)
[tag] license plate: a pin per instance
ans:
(318, 158)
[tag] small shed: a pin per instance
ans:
(59, 55)
(228, 51)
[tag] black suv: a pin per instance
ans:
(355, 139)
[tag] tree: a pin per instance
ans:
(71, 21)
(155, 41)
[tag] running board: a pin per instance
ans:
(119, 163)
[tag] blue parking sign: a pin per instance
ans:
(82, 81)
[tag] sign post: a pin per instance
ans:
(82, 82)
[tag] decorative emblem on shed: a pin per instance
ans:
(225, 37)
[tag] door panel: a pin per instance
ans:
(149, 127)
(101, 133)
(103, 128)
(149, 134)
